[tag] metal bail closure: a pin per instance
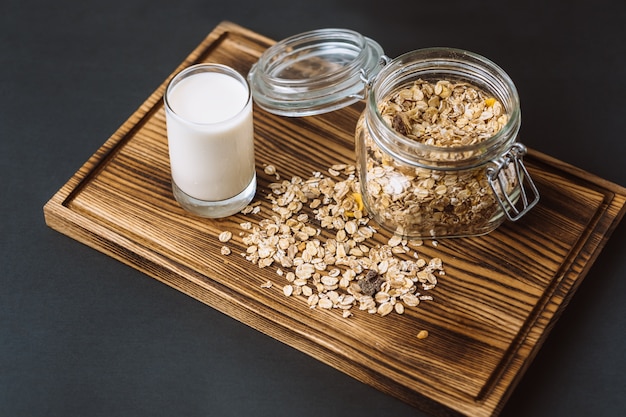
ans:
(510, 171)
(368, 79)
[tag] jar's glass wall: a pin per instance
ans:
(419, 189)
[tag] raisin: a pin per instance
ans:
(371, 283)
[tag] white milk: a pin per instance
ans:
(210, 136)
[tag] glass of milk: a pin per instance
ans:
(208, 111)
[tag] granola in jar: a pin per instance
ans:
(434, 147)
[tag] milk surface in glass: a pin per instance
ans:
(210, 135)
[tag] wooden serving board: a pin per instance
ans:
(499, 299)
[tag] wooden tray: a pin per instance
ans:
(491, 312)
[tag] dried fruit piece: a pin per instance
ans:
(423, 334)
(370, 284)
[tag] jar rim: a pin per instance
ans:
(435, 59)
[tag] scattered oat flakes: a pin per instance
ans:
(270, 169)
(395, 240)
(326, 257)
(253, 208)
(423, 334)
(288, 290)
(325, 303)
(385, 308)
(399, 307)
(225, 236)
(267, 284)
(225, 250)
(333, 172)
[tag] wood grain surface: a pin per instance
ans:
(498, 301)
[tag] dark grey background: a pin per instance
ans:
(83, 335)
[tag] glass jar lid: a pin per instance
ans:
(314, 72)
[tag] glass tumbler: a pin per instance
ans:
(211, 140)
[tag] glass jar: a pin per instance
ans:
(422, 189)
(411, 188)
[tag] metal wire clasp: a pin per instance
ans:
(524, 194)
(367, 79)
